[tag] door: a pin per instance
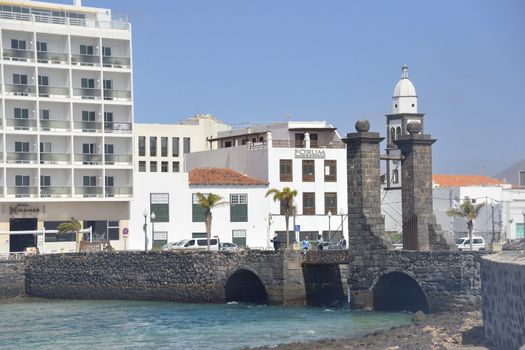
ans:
(43, 86)
(108, 87)
(108, 121)
(19, 242)
(41, 46)
(88, 149)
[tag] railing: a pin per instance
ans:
(89, 159)
(20, 123)
(55, 191)
(117, 95)
(90, 60)
(88, 126)
(22, 191)
(89, 191)
(13, 256)
(116, 62)
(20, 89)
(21, 157)
(86, 93)
(111, 159)
(333, 144)
(52, 57)
(55, 158)
(257, 145)
(118, 191)
(54, 124)
(302, 144)
(19, 55)
(47, 91)
(118, 127)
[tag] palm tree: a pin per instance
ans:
(285, 197)
(72, 225)
(468, 211)
(208, 202)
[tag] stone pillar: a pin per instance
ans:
(306, 140)
(420, 229)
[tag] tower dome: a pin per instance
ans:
(405, 98)
(404, 86)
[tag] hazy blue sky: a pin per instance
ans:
(260, 60)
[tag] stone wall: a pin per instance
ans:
(12, 278)
(451, 281)
(503, 287)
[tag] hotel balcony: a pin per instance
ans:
(53, 91)
(88, 126)
(20, 89)
(89, 159)
(117, 22)
(20, 123)
(55, 191)
(54, 125)
(122, 95)
(19, 55)
(21, 157)
(86, 93)
(55, 158)
(52, 57)
(118, 127)
(116, 62)
(85, 60)
(89, 191)
(22, 191)
(118, 159)
(112, 191)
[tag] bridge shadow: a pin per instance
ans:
(397, 291)
(323, 285)
(245, 286)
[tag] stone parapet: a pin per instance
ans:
(12, 279)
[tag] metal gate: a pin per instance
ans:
(410, 234)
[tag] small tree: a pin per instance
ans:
(468, 211)
(208, 202)
(286, 197)
(72, 225)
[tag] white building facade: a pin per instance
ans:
(66, 143)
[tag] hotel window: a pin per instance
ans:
(330, 203)
(65, 237)
(239, 237)
(308, 203)
(286, 172)
(175, 146)
(395, 176)
(187, 145)
(308, 170)
(21, 180)
(153, 146)
(160, 205)
(239, 207)
(45, 181)
(163, 146)
(142, 166)
(197, 212)
(21, 113)
(113, 230)
(21, 146)
(86, 50)
(18, 44)
(153, 167)
(142, 146)
(175, 167)
(164, 167)
(330, 170)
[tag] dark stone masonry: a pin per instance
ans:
(12, 279)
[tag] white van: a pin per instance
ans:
(478, 243)
(197, 243)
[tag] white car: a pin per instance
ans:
(478, 243)
(196, 243)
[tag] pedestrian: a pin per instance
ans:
(276, 242)
(320, 242)
(305, 244)
(343, 243)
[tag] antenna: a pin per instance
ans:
(482, 169)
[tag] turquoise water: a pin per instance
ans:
(53, 324)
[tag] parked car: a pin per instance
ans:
(196, 243)
(478, 243)
(517, 244)
(229, 246)
(168, 246)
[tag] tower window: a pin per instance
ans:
(413, 105)
(395, 106)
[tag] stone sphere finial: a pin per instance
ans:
(413, 128)
(362, 125)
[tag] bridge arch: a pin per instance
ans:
(245, 286)
(399, 291)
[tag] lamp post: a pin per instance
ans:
(145, 228)
(523, 213)
(329, 225)
(152, 219)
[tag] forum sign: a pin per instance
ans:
(302, 153)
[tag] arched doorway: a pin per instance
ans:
(397, 291)
(244, 286)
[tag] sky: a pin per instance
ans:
(257, 61)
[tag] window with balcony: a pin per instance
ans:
(44, 119)
(187, 145)
(21, 146)
(87, 86)
(89, 181)
(86, 50)
(18, 51)
(286, 172)
(330, 203)
(18, 44)
(239, 207)
(142, 166)
(153, 167)
(22, 186)
(108, 87)
(175, 146)
(88, 153)
(164, 167)
(142, 146)
(106, 51)
(21, 116)
(330, 170)
(175, 167)
(108, 121)
(109, 151)
(160, 205)
(308, 203)
(163, 146)
(308, 170)
(41, 46)
(20, 87)
(45, 181)
(153, 146)
(109, 183)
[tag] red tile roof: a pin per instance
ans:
(465, 180)
(221, 177)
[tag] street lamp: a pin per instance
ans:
(329, 226)
(152, 217)
(145, 228)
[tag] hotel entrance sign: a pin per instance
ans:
(21, 209)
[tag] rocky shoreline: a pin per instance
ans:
(443, 331)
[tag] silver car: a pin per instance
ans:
(229, 246)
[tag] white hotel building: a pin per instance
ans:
(66, 117)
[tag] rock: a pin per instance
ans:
(418, 317)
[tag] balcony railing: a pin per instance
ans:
(20, 89)
(302, 144)
(20, 123)
(55, 158)
(116, 62)
(55, 191)
(22, 191)
(89, 159)
(118, 23)
(88, 126)
(86, 60)
(89, 191)
(53, 91)
(86, 93)
(111, 159)
(21, 157)
(117, 127)
(54, 124)
(112, 191)
(52, 57)
(124, 95)
(19, 55)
